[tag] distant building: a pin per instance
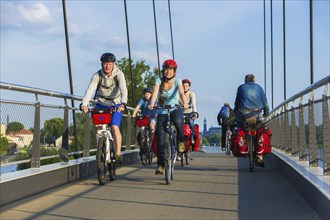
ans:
(212, 130)
(22, 138)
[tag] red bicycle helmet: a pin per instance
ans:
(169, 64)
(186, 81)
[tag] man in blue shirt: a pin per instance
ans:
(250, 97)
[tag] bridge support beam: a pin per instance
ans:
(313, 156)
(35, 157)
(326, 138)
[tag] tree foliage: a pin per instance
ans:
(53, 129)
(142, 77)
(15, 126)
(4, 143)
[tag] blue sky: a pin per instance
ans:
(216, 43)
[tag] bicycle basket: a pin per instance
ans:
(101, 116)
(141, 122)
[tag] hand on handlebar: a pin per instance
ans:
(84, 109)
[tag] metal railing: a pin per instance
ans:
(35, 115)
(300, 126)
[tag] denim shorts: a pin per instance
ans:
(115, 117)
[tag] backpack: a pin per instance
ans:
(100, 81)
(224, 113)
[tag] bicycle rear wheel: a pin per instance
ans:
(251, 149)
(101, 161)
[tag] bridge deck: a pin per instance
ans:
(213, 186)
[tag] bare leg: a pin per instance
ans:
(117, 137)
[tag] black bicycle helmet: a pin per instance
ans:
(147, 90)
(108, 57)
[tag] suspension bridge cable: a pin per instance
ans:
(311, 39)
(265, 71)
(70, 75)
(153, 2)
(169, 14)
(129, 53)
(284, 51)
(271, 53)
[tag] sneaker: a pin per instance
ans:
(159, 170)
(260, 161)
(118, 160)
(181, 147)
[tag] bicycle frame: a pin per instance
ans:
(105, 132)
(105, 154)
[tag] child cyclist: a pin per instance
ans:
(191, 112)
(168, 89)
(145, 111)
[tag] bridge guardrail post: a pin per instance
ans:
(35, 154)
(87, 142)
(326, 136)
(313, 156)
(65, 134)
(288, 148)
(294, 134)
(128, 131)
(302, 135)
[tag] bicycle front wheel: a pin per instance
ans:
(227, 146)
(111, 165)
(168, 160)
(101, 163)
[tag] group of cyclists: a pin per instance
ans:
(250, 102)
(109, 86)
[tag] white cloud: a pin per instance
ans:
(38, 13)
(25, 15)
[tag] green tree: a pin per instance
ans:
(80, 127)
(4, 143)
(205, 141)
(142, 77)
(15, 126)
(53, 129)
(214, 138)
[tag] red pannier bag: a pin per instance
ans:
(188, 133)
(237, 137)
(264, 145)
(142, 121)
(101, 116)
(197, 138)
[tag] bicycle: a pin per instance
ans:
(228, 141)
(144, 139)
(170, 144)
(251, 126)
(190, 141)
(105, 154)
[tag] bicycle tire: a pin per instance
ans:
(168, 160)
(251, 149)
(227, 145)
(112, 165)
(101, 161)
(112, 171)
(182, 158)
(186, 155)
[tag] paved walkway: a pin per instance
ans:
(213, 186)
